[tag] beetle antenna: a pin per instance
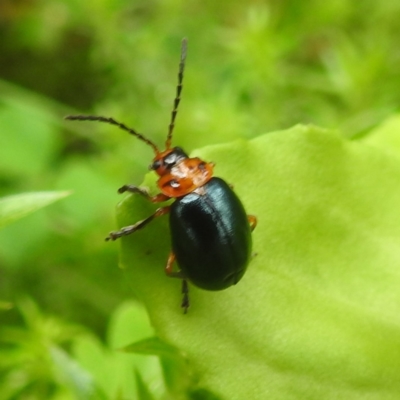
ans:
(178, 92)
(113, 122)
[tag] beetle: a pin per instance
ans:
(210, 230)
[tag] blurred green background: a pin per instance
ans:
(252, 67)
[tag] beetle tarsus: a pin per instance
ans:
(127, 230)
(110, 237)
(158, 198)
(252, 221)
(185, 300)
(133, 189)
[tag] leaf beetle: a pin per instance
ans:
(210, 230)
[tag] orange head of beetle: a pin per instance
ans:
(179, 174)
(165, 160)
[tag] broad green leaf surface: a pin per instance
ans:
(386, 136)
(15, 207)
(317, 315)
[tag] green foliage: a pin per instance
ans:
(117, 372)
(15, 207)
(33, 363)
(252, 67)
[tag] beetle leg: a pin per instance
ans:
(185, 299)
(252, 221)
(127, 230)
(158, 198)
(178, 274)
(170, 264)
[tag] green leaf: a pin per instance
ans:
(386, 136)
(73, 375)
(29, 134)
(317, 315)
(5, 305)
(177, 372)
(143, 393)
(153, 346)
(18, 206)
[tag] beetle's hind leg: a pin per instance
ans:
(178, 274)
(127, 230)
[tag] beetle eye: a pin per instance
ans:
(175, 157)
(170, 159)
(156, 164)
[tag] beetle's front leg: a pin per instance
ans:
(158, 198)
(178, 274)
(127, 230)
